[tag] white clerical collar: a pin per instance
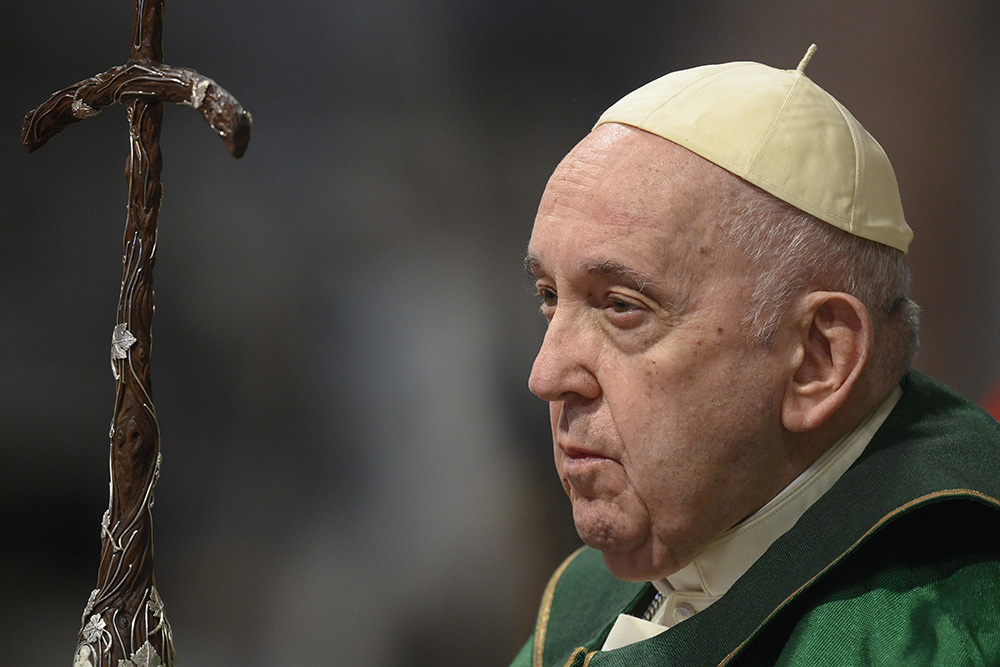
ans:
(703, 581)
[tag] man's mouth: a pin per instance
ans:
(576, 458)
(586, 473)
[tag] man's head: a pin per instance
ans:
(692, 370)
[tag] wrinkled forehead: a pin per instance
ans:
(627, 179)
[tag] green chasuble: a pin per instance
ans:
(897, 564)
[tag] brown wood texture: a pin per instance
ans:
(123, 623)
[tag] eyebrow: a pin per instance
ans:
(637, 280)
(532, 265)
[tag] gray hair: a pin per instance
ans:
(790, 250)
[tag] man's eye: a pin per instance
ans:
(624, 313)
(621, 306)
(548, 297)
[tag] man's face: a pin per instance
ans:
(665, 416)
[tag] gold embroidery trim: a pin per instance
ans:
(546, 609)
(878, 524)
(575, 655)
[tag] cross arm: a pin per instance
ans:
(156, 82)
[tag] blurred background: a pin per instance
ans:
(354, 471)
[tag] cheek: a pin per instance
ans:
(672, 410)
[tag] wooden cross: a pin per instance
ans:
(123, 623)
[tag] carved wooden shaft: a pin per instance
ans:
(128, 602)
(147, 31)
(123, 622)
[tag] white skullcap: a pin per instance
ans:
(783, 133)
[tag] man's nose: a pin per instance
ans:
(563, 369)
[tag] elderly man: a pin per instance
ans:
(757, 474)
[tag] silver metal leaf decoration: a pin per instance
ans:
(145, 657)
(121, 340)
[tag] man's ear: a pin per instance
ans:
(833, 337)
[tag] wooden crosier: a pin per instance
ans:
(123, 622)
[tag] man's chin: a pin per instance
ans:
(627, 557)
(626, 551)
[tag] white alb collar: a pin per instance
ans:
(707, 578)
(724, 561)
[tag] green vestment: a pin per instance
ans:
(897, 564)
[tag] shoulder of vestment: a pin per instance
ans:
(579, 606)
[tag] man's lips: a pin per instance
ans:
(585, 473)
(577, 457)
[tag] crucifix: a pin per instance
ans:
(123, 622)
